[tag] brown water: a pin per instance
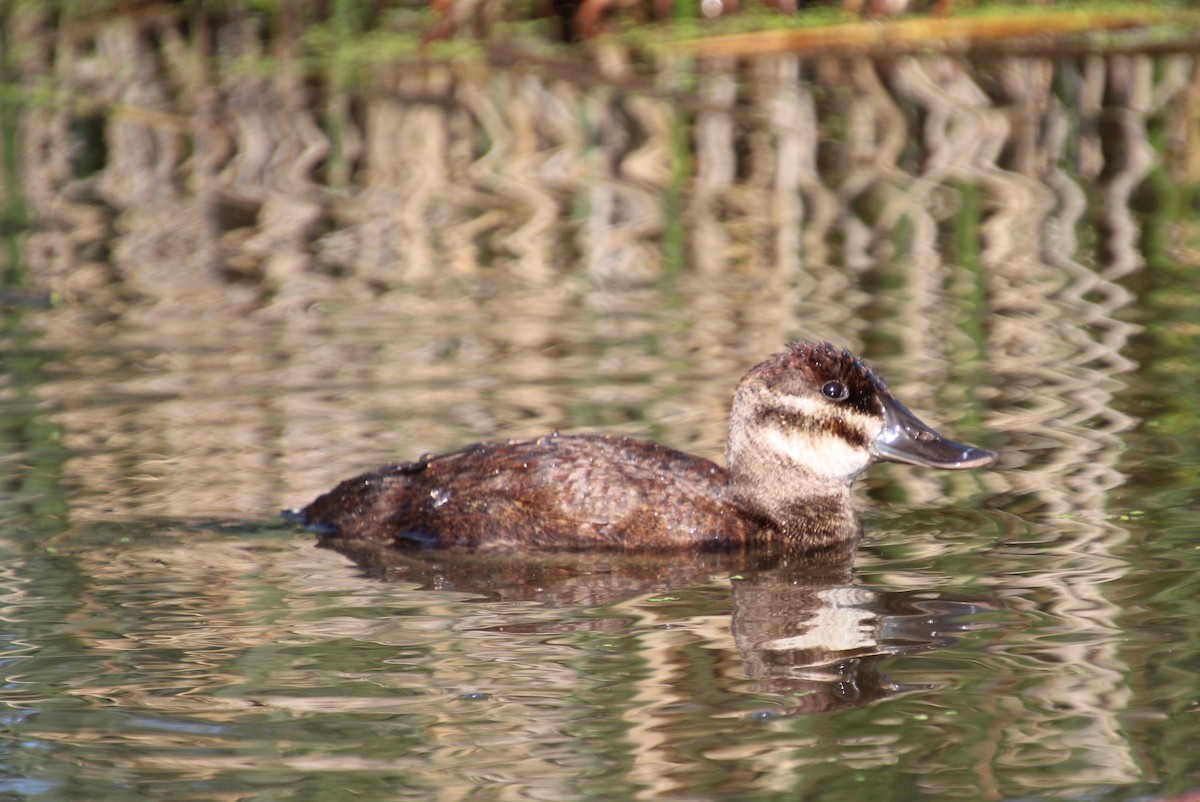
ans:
(240, 320)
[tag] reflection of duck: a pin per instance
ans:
(800, 625)
(824, 636)
(804, 424)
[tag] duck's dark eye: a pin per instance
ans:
(835, 391)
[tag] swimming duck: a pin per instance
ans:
(803, 425)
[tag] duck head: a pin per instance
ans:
(806, 422)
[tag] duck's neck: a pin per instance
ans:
(774, 482)
(801, 516)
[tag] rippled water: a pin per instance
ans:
(219, 342)
(166, 638)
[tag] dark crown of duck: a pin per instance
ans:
(804, 423)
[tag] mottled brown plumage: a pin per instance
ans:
(804, 424)
(585, 491)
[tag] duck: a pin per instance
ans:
(803, 425)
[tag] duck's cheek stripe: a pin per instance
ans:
(852, 431)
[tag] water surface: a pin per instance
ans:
(231, 334)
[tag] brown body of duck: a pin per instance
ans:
(803, 425)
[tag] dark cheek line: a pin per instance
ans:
(831, 425)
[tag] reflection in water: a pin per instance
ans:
(245, 654)
(801, 624)
(798, 634)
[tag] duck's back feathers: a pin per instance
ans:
(556, 492)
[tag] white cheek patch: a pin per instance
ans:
(824, 454)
